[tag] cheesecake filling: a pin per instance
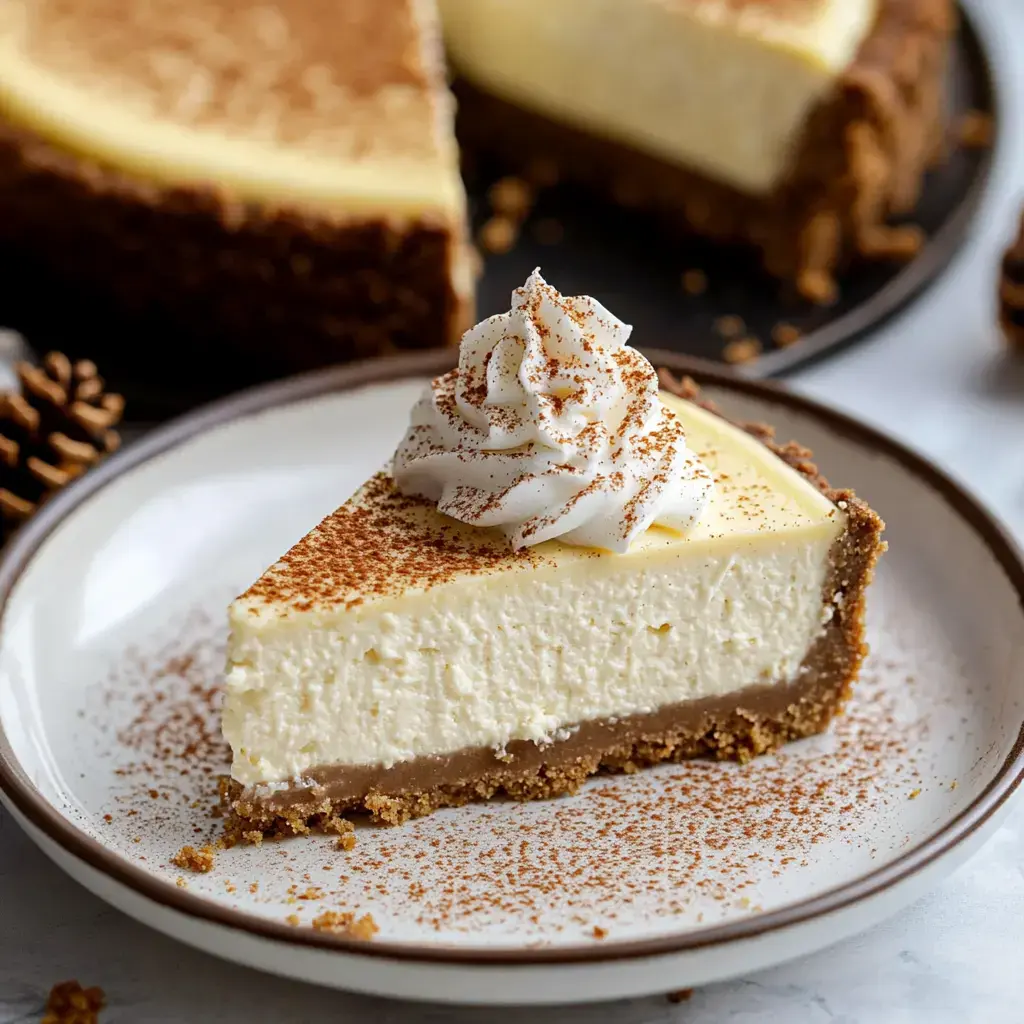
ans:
(489, 662)
(552, 427)
(720, 87)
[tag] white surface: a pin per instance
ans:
(936, 377)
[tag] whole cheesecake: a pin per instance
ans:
(563, 570)
(276, 184)
(278, 181)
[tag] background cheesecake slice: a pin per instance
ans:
(798, 127)
(397, 661)
(277, 181)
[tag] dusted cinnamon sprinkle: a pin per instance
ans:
(69, 1003)
(682, 846)
(188, 858)
(347, 924)
(270, 72)
(378, 544)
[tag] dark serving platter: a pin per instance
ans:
(613, 254)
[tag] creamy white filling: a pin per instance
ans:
(491, 660)
(718, 87)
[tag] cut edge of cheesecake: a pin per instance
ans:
(733, 726)
(860, 159)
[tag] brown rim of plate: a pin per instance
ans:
(18, 789)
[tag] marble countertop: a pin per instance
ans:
(938, 378)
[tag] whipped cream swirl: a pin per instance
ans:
(552, 426)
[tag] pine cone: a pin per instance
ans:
(60, 425)
(1011, 291)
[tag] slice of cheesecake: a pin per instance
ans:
(397, 660)
(798, 127)
(281, 178)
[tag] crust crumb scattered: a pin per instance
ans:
(498, 235)
(901, 243)
(694, 281)
(511, 197)
(345, 831)
(681, 995)
(742, 350)
(730, 326)
(784, 335)
(976, 130)
(69, 1003)
(344, 922)
(188, 858)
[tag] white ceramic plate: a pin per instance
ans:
(112, 640)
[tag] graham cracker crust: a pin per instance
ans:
(731, 727)
(286, 288)
(861, 160)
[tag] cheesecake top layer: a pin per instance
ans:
(381, 545)
(825, 31)
(723, 87)
(339, 105)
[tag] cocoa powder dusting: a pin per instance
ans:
(699, 841)
(375, 547)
